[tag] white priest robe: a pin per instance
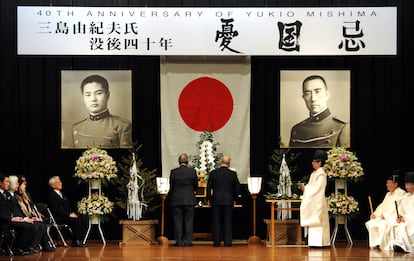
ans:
(314, 210)
(379, 232)
(403, 233)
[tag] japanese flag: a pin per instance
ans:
(205, 93)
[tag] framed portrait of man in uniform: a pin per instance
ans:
(96, 109)
(315, 108)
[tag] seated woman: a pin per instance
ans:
(28, 210)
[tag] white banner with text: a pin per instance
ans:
(55, 30)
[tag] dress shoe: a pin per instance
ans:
(227, 245)
(19, 252)
(31, 250)
(78, 243)
(48, 249)
(189, 245)
(216, 245)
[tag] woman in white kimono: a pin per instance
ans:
(314, 205)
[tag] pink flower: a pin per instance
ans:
(343, 157)
(95, 156)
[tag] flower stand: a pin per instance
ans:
(341, 220)
(94, 185)
(341, 187)
(94, 220)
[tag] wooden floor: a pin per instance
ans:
(204, 251)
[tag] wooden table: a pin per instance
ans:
(272, 213)
(138, 231)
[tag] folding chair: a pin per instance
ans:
(58, 227)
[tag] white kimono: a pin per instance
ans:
(314, 210)
(379, 232)
(403, 232)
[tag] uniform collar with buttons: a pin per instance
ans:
(320, 116)
(99, 116)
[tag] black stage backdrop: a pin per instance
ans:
(381, 108)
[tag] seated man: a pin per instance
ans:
(63, 213)
(384, 215)
(25, 232)
(403, 229)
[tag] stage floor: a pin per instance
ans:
(204, 251)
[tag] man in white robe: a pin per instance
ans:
(314, 205)
(403, 229)
(379, 232)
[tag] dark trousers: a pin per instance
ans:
(25, 234)
(183, 217)
(77, 225)
(222, 224)
(41, 237)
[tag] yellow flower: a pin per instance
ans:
(343, 164)
(93, 165)
(95, 205)
(341, 204)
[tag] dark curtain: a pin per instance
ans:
(381, 108)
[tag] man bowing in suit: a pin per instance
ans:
(183, 185)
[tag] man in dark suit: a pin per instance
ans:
(183, 185)
(25, 232)
(223, 187)
(63, 213)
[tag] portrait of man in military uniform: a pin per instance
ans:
(96, 109)
(320, 118)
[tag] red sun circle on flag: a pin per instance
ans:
(205, 104)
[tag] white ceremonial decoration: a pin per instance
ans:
(135, 205)
(206, 157)
(285, 189)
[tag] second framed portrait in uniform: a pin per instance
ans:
(96, 109)
(315, 108)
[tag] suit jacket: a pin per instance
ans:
(60, 207)
(183, 184)
(223, 186)
(5, 212)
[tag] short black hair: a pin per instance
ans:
(95, 78)
(314, 77)
(2, 177)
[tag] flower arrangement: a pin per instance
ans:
(343, 164)
(342, 204)
(95, 204)
(95, 164)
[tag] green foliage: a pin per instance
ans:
(151, 198)
(274, 167)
